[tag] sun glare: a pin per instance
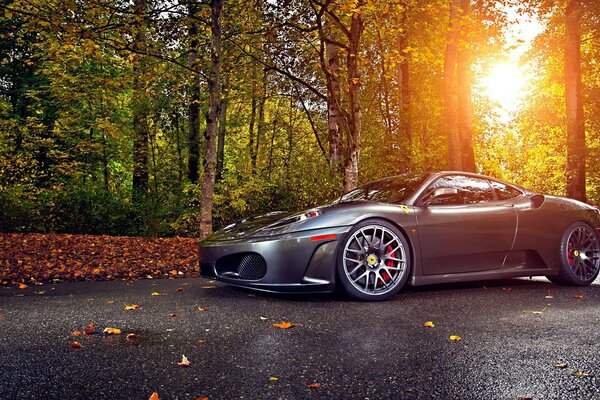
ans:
(505, 86)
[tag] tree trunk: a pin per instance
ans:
(251, 125)
(212, 117)
(405, 93)
(260, 129)
(222, 133)
(464, 79)
(351, 161)
(333, 113)
(576, 147)
(450, 106)
(140, 109)
(194, 106)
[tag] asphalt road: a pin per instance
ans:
(512, 338)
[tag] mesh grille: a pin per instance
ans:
(250, 266)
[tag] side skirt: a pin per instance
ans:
(478, 276)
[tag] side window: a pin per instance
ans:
(505, 192)
(470, 190)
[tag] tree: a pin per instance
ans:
(576, 143)
(140, 112)
(212, 119)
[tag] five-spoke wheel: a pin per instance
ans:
(374, 262)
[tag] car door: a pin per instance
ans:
(467, 229)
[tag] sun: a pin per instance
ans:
(505, 85)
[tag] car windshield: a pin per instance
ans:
(388, 190)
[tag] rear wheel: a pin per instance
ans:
(373, 261)
(580, 256)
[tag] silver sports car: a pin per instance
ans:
(423, 228)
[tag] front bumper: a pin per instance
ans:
(298, 262)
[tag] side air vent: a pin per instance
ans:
(248, 266)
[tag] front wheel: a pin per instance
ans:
(373, 261)
(580, 256)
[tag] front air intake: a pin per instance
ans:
(248, 266)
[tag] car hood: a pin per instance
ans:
(249, 226)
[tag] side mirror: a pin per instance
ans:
(440, 193)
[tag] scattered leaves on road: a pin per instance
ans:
(579, 296)
(561, 365)
(184, 362)
(314, 386)
(455, 338)
(273, 378)
(284, 325)
(174, 315)
(76, 345)
(75, 333)
(200, 341)
(131, 336)
(428, 324)
(202, 309)
(132, 307)
(22, 286)
(155, 294)
(111, 331)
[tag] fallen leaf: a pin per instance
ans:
(263, 318)
(580, 374)
(154, 396)
(314, 386)
(75, 333)
(41, 292)
(202, 309)
(284, 325)
(201, 398)
(507, 289)
(154, 294)
(131, 336)
(537, 312)
(184, 362)
(76, 345)
(132, 307)
(455, 338)
(201, 341)
(561, 365)
(110, 301)
(89, 330)
(579, 296)
(179, 289)
(22, 286)
(208, 287)
(548, 296)
(173, 272)
(428, 324)
(111, 331)
(174, 315)
(273, 378)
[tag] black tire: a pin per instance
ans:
(373, 261)
(579, 256)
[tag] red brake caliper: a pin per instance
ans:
(389, 263)
(570, 257)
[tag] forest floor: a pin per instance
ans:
(27, 259)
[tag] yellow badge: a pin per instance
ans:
(405, 209)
